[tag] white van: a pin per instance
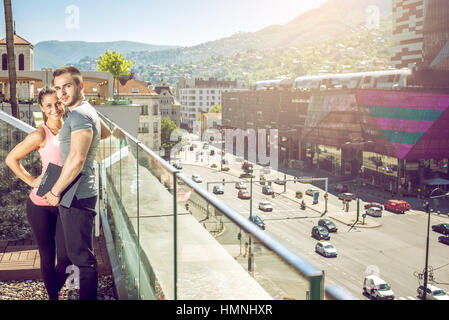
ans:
(377, 288)
(374, 211)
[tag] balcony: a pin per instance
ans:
(169, 238)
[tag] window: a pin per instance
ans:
(143, 128)
(21, 62)
(144, 110)
(94, 89)
(135, 90)
(4, 61)
(155, 110)
(155, 127)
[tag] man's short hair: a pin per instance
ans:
(74, 72)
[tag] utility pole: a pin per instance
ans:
(427, 204)
(250, 253)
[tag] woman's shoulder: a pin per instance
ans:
(38, 136)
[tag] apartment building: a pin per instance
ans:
(168, 105)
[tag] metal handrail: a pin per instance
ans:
(16, 122)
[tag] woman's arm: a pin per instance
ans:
(32, 142)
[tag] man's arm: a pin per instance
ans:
(74, 163)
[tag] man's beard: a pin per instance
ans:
(75, 98)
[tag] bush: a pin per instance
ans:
(213, 165)
(298, 194)
(226, 169)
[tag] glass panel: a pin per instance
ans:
(219, 260)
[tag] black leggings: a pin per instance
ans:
(47, 230)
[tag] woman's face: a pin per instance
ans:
(52, 107)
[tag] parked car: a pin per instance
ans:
(267, 190)
(319, 233)
(432, 293)
(177, 165)
(374, 212)
(244, 194)
(328, 224)
(240, 185)
(265, 206)
(197, 178)
(312, 191)
(374, 204)
(406, 204)
(444, 239)
(395, 206)
(212, 152)
(191, 148)
(441, 228)
(279, 181)
(347, 196)
(377, 288)
(218, 189)
(257, 221)
(206, 146)
(326, 249)
(342, 187)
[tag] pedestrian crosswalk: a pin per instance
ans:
(407, 298)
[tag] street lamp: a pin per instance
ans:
(427, 206)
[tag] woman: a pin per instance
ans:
(44, 218)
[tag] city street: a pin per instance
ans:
(396, 248)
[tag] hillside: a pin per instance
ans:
(53, 54)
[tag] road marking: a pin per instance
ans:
(401, 298)
(411, 298)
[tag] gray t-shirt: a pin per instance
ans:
(83, 116)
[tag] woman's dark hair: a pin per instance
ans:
(45, 91)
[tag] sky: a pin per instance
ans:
(159, 22)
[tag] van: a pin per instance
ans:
(374, 211)
(377, 288)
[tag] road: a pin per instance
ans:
(396, 249)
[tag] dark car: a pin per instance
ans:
(374, 205)
(341, 188)
(212, 152)
(319, 232)
(441, 228)
(218, 189)
(257, 221)
(267, 190)
(177, 165)
(444, 239)
(347, 196)
(328, 224)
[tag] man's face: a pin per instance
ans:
(67, 90)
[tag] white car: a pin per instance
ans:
(265, 206)
(432, 293)
(377, 288)
(240, 185)
(196, 178)
(374, 211)
(312, 191)
(326, 249)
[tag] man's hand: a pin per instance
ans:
(52, 199)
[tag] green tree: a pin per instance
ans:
(216, 108)
(114, 63)
(167, 127)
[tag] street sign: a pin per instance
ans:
(315, 197)
(364, 215)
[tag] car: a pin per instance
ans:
(191, 148)
(441, 228)
(319, 233)
(244, 194)
(443, 239)
(267, 190)
(177, 165)
(257, 221)
(212, 152)
(196, 178)
(265, 206)
(395, 206)
(279, 181)
(312, 191)
(342, 187)
(328, 224)
(206, 146)
(377, 288)
(375, 205)
(240, 185)
(347, 196)
(326, 249)
(218, 189)
(432, 293)
(374, 212)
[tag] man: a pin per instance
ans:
(80, 137)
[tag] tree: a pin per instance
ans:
(167, 127)
(216, 108)
(114, 63)
(11, 58)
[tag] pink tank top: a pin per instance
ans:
(49, 153)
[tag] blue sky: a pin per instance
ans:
(163, 22)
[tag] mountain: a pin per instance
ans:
(53, 54)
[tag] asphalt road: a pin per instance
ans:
(396, 249)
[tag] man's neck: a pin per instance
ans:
(76, 104)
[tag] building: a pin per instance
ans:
(200, 95)
(168, 105)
